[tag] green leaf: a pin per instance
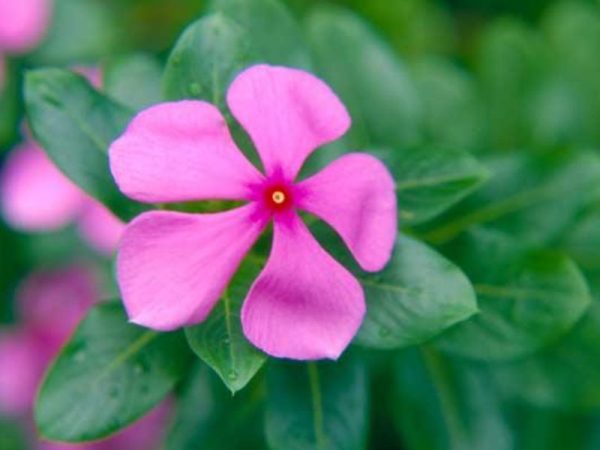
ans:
(453, 109)
(274, 34)
(219, 340)
(565, 376)
(547, 429)
(206, 58)
(109, 374)
(583, 241)
(533, 197)
(317, 406)
(75, 125)
(573, 31)
(11, 436)
(134, 80)
(371, 80)
(529, 298)
(9, 107)
(440, 405)
(512, 58)
(417, 296)
(207, 415)
(431, 180)
(81, 30)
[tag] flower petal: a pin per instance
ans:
(20, 371)
(172, 267)
(100, 227)
(288, 113)
(356, 196)
(180, 151)
(35, 195)
(52, 302)
(24, 23)
(304, 305)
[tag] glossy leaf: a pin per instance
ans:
(454, 115)
(274, 34)
(81, 30)
(431, 180)
(109, 374)
(207, 415)
(416, 297)
(528, 298)
(219, 340)
(206, 58)
(440, 405)
(583, 241)
(536, 198)
(511, 60)
(565, 376)
(75, 125)
(317, 405)
(134, 81)
(371, 80)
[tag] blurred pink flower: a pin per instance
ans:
(50, 305)
(172, 267)
(23, 24)
(35, 196)
(145, 434)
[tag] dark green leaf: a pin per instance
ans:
(370, 79)
(537, 198)
(11, 436)
(220, 341)
(454, 113)
(583, 241)
(274, 34)
(75, 125)
(417, 296)
(81, 30)
(431, 180)
(206, 58)
(528, 298)
(9, 107)
(573, 31)
(317, 406)
(442, 406)
(208, 416)
(108, 375)
(134, 81)
(511, 60)
(565, 376)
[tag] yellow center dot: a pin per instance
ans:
(278, 197)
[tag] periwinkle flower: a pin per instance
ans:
(50, 304)
(172, 267)
(23, 24)
(37, 197)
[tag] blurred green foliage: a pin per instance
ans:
(487, 112)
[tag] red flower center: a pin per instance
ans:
(278, 197)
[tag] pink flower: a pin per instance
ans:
(37, 197)
(142, 435)
(50, 305)
(172, 267)
(22, 25)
